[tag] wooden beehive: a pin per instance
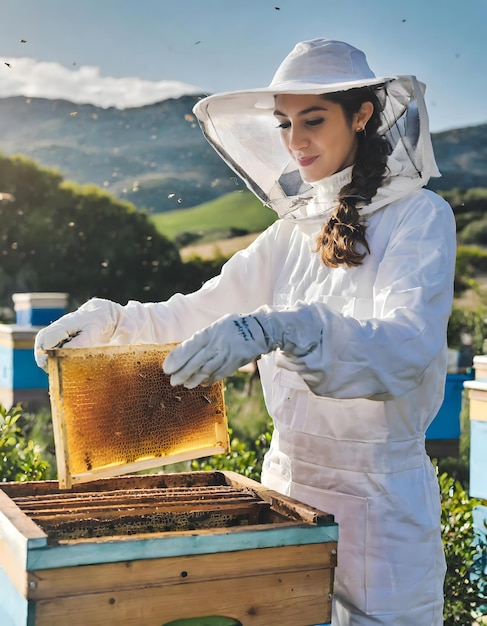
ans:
(477, 399)
(114, 412)
(148, 550)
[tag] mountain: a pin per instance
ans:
(462, 158)
(156, 156)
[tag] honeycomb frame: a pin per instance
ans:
(115, 412)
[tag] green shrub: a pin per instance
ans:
(20, 458)
(475, 232)
(471, 259)
(38, 427)
(250, 428)
(462, 596)
(241, 459)
(246, 409)
(472, 322)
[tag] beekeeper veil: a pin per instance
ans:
(241, 127)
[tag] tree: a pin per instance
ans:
(60, 236)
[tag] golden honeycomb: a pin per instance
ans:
(115, 411)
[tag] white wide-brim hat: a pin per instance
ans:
(318, 66)
(241, 128)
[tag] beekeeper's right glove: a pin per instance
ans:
(91, 325)
(234, 340)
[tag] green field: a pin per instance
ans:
(218, 219)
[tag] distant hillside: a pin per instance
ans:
(156, 156)
(462, 158)
(235, 213)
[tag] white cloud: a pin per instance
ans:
(83, 85)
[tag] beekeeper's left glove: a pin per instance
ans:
(90, 325)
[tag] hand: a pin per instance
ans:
(91, 325)
(217, 351)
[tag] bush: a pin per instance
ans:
(186, 238)
(250, 429)
(474, 232)
(196, 271)
(38, 427)
(20, 459)
(241, 459)
(473, 323)
(470, 262)
(462, 595)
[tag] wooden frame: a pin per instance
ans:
(124, 393)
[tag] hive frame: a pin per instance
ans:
(66, 476)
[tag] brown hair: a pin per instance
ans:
(342, 239)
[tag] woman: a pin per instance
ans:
(347, 299)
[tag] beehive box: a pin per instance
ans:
(148, 550)
(115, 412)
(477, 395)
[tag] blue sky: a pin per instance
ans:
(86, 50)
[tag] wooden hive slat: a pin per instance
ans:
(294, 598)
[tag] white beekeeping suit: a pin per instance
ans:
(354, 358)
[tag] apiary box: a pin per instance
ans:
(477, 394)
(149, 550)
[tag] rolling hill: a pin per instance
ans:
(235, 213)
(156, 157)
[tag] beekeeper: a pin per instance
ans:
(346, 297)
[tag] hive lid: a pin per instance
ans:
(114, 412)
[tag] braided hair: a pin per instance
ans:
(342, 239)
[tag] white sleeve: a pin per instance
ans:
(245, 283)
(386, 356)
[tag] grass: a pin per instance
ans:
(237, 210)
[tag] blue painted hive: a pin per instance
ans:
(214, 547)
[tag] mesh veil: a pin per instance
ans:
(242, 129)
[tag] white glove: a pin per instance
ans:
(216, 351)
(91, 325)
(219, 350)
